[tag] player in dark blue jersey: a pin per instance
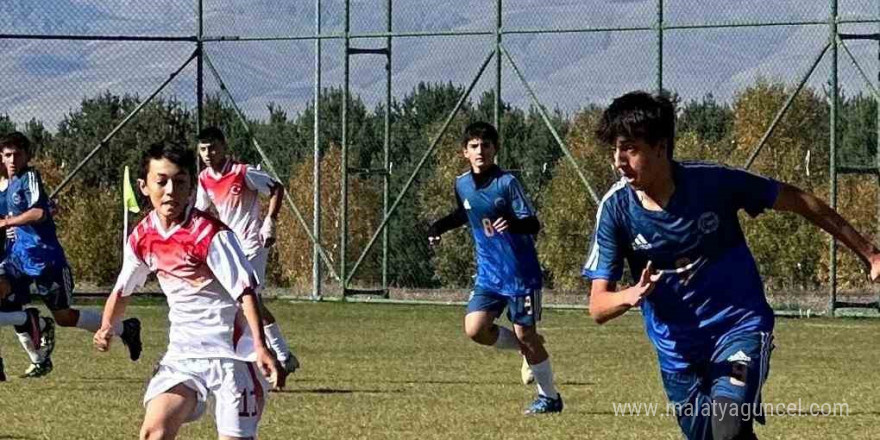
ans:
(36, 334)
(702, 299)
(503, 224)
(35, 261)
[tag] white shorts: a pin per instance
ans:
(239, 390)
(259, 261)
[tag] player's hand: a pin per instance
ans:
(645, 285)
(874, 263)
(267, 232)
(271, 368)
(434, 240)
(500, 224)
(102, 338)
(5, 287)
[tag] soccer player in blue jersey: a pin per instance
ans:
(35, 262)
(36, 334)
(503, 223)
(702, 299)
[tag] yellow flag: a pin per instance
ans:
(129, 201)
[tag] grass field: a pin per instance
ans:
(401, 371)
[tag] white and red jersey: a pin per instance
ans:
(203, 273)
(235, 193)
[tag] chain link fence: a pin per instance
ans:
(80, 71)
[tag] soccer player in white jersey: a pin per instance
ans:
(216, 342)
(234, 190)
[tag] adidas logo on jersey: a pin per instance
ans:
(640, 243)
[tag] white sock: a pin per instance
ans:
(29, 348)
(544, 379)
(89, 320)
(276, 341)
(506, 339)
(12, 318)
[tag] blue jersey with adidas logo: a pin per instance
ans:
(36, 246)
(507, 263)
(719, 292)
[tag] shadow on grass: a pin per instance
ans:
(473, 382)
(138, 380)
(334, 391)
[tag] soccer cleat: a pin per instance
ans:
(526, 373)
(131, 337)
(38, 370)
(2, 371)
(545, 405)
(47, 339)
(31, 327)
(291, 363)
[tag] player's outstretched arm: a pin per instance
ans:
(606, 303)
(114, 310)
(265, 359)
(267, 231)
(29, 217)
(817, 212)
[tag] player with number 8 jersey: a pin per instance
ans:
(503, 224)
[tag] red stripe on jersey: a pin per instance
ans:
(180, 254)
(225, 189)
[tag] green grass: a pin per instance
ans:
(400, 372)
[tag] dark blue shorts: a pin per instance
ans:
(522, 310)
(54, 286)
(732, 377)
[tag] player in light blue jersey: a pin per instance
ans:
(35, 261)
(503, 224)
(702, 299)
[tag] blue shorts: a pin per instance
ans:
(522, 310)
(54, 286)
(733, 376)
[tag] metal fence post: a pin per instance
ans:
(316, 170)
(833, 152)
(659, 46)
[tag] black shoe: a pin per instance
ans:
(2, 371)
(31, 327)
(38, 370)
(48, 338)
(131, 337)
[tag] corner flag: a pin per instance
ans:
(129, 201)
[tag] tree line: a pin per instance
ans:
(789, 252)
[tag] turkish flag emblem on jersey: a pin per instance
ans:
(235, 188)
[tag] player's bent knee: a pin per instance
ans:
(528, 336)
(157, 432)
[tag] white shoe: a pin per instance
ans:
(526, 373)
